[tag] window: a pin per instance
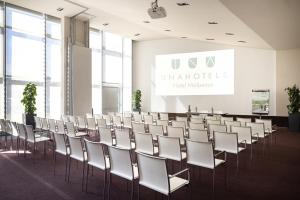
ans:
(1, 60)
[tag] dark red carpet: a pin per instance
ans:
(272, 174)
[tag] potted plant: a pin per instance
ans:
(293, 107)
(136, 100)
(29, 102)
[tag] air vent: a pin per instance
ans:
(59, 9)
(183, 4)
(146, 22)
(137, 34)
(229, 33)
(242, 41)
(105, 24)
(212, 22)
(210, 39)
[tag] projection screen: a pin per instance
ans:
(198, 73)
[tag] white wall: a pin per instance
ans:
(288, 72)
(254, 69)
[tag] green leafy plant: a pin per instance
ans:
(294, 99)
(136, 100)
(28, 100)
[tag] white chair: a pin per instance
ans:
(60, 127)
(177, 132)
(268, 127)
(156, 130)
(216, 127)
(78, 153)
(243, 120)
(91, 125)
(98, 116)
(213, 118)
(117, 121)
(198, 135)
(228, 142)
(62, 148)
(111, 114)
(127, 114)
(229, 124)
(81, 123)
(137, 117)
(244, 135)
(210, 121)
(197, 120)
(164, 123)
(123, 139)
(96, 158)
(154, 116)
(138, 127)
(122, 166)
(127, 122)
(154, 175)
(45, 125)
(223, 119)
(148, 119)
(106, 136)
(169, 147)
(52, 125)
(164, 116)
(38, 124)
(21, 136)
(73, 119)
(65, 118)
(144, 144)
(108, 120)
(258, 130)
(72, 131)
(180, 124)
(183, 119)
(199, 126)
(101, 123)
(89, 115)
(201, 154)
(31, 138)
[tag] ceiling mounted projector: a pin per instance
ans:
(156, 12)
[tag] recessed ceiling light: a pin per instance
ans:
(210, 38)
(242, 41)
(137, 34)
(168, 30)
(146, 22)
(60, 9)
(212, 22)
(183, 4)
(105, 24)
(229, 33)
(183, 37)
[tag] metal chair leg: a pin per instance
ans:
(83, 173)
(138, 191)
(132, 189)
(70, 161)
(66, 168)
(105, 177)
(87, 177)
(54, 163)
(109, 183)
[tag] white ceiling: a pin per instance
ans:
(126, 17)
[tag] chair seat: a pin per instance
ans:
(127, 176)
(80, 134)
(80, 158)
(207, 165)
(247, 141)
(176, 183)
(67, 152)
(38, 139)
(101, 166)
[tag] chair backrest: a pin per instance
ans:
(199, 126)
(148, 119)
(8, 127)
(101, 123)
(60, 142)
(127, 122)
(210, 121)
(153, 173)
(105, 136)
(138, 127)
(180, 124)
(229, 124)
(198, 135)
(169, 147)
(164, 123)
(60, 126)
(73, 119)
(257, 128)
(127, 114)
(226, 142)
(267, 124)
(156, 130)
(211, 118)
(70, 128)
(38, 123)
(182, 119)
(154, 115)
(44, 123)
(117, 120)
(91, 124)
(22, 131)
(30, 133)
(65, 118)
(196, 120)
(81, 122)
(14, 129)
(89, 115)
(176, 132)
(196, 117)
(123, 139)
(111, 114)
(223, 119)
(137, 117)
(121, 162)
(243, 120)
(216, 127)
(97, 116)
(144, 143)
(95, 154)
(200, 154)
(244, 133)
(76, 147)
(164, 116)
(107, 119)
(52, 125)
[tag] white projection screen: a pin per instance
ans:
(198, 73)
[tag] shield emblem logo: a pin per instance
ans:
(210, 61)
(192, 63)
(175, 63)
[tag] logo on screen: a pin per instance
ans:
(192, 63)
(210, 61)
(175, 63)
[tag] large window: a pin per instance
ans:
(111, 69)
(32, 52)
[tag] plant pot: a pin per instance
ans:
(30, 120)
(294, 122)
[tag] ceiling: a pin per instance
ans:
(246, 19)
